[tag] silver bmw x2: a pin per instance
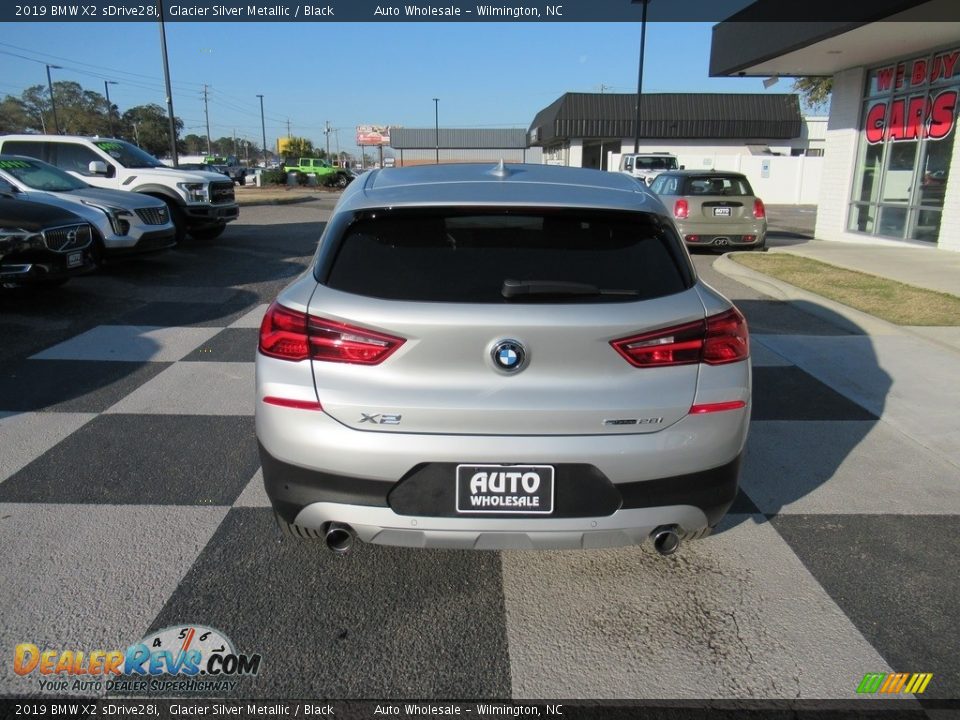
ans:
(516, 356)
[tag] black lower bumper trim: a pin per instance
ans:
(428, 490)
(291, 488)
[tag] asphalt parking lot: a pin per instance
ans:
(130, 501)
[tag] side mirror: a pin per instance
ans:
(97, 167)
(683, 167)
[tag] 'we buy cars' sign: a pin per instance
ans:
(930, 113)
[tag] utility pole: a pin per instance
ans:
(288, 127)
(436, 125)
(263, 128)
(53, 103)
(326, 133)
(106, 89)
(166, 77)
(643, 36)
(206, 114)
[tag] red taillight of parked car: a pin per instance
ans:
(759, 211)
(718, 340)
(292, 335)
(681, 209)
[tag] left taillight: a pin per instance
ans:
(292, 335)
(759, 211)
(718, 340)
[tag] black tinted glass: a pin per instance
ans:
(466, 256)
(717, 185)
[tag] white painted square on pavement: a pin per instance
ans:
(131, 343)
(252, 319)
(731, 616)
(26, 436)
(194, 388)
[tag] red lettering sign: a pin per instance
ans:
(919, 118)
(874, 123)
(884, 78)
(901, 71)
(919, 74)
(942, 114)
(916, 112)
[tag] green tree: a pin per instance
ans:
(299, 147)
(15, 117)
(814, 91)
(194, 144)
(148, 127)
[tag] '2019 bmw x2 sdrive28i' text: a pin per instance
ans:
(517, 356)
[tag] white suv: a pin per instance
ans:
(201, 203)
(646, 166)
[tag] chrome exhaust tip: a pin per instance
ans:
(339, 538)
(666, 541)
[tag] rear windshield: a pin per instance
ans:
(717, 185)
(656, 163)
(469, 255)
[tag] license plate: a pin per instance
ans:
(721, 212)
(74, 259)
(498, 489)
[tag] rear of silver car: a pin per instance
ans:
(522, 360)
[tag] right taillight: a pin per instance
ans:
(293, 335)
(759, 211)
(681, 209)
(718, 340)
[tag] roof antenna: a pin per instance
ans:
(500, 171)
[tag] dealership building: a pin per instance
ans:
(890, 149)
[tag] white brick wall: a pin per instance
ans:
(950, 222)
(840, 155)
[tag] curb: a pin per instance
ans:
(837, 314)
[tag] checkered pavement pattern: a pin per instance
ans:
(131, 500)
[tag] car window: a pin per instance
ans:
(628, 163)
(657, 185)
(717, 185)
(465, 256)
(129, 156)
(73, 157)
(40, 176)
(29, 148)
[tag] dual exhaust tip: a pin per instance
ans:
(666, 541)
(340, 538)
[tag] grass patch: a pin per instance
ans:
(890, 300)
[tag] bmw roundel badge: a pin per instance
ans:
(508, 355)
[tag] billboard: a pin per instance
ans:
(373, 135)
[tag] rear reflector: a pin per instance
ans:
(718, 340)
(692, 238)
(292, 335)
(717, 407)
(290, 403)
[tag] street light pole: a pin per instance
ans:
(643, 35)
(106, 89)
(436, 124)
(263, 129)
(53, 103)
(166, 76)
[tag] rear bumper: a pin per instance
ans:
(417, 510)
(712, 234)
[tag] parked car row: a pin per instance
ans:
(113, 199)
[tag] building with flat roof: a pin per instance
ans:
(890, 147)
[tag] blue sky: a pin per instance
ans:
(485, 74)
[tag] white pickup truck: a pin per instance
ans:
(201, 203)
